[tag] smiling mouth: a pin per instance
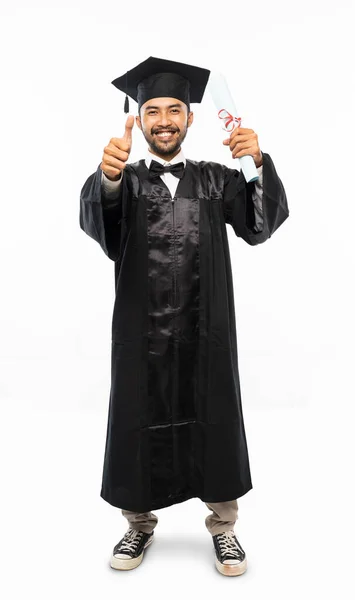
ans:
(164, 135)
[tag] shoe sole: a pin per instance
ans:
(125, 564)
(232, 570)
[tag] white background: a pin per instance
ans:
(290, 72)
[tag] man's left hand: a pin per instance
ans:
(243, 141)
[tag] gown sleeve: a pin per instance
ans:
(257, 198)
(105, 218)
(239, 203)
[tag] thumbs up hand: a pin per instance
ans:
(117, 152)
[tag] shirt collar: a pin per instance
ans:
(178, 158)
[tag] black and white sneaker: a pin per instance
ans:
(230, 556)
(128, 553)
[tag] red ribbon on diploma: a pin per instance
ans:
(229, 120)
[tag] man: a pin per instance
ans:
(175, 423)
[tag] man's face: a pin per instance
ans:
(164, 123)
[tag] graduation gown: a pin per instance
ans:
(175, 424)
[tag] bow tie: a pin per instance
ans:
(156, 169)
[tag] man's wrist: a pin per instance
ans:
(111, 187)
(259, 160)
(113, 179)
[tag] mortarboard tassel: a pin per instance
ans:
(126, 104)
(126, 101)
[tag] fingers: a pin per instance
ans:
(237, 145)
(124, 143)
(243, 149)
(119, 144)
(112, 162)
(231, 141)
(128, 129)
(117, 150)
(242, 131)
(112, 166)
(239, 135)
(115, 157)
(242, 142)
(111, 172)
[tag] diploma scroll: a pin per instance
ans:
(227, 112)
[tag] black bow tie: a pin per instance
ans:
(156, 169)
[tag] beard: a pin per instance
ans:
(162, 147)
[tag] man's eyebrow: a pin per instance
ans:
(157, 107)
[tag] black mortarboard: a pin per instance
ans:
(156, 77)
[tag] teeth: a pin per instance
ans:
(165, 134)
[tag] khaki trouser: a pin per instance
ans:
(223, 518)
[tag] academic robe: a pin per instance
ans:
(175, 424)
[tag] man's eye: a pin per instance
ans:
(176, 110)
(152, 112)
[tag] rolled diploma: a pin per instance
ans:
(222, 98)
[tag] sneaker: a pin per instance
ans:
(128, 553)
(230, 556)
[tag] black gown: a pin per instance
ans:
(175, 423)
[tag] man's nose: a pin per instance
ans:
(164, 119)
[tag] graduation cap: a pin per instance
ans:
(158, 78)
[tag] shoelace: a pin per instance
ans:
(229, 545)
(131, 540)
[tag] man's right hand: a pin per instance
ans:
(116, 153)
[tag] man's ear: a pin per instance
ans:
(138, 121)
(190, 118)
